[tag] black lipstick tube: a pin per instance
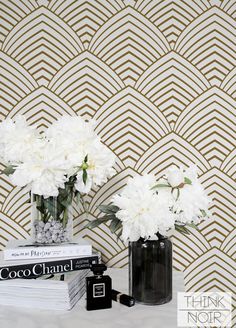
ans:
(122, 298)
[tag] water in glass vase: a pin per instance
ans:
(52, 222)
(150, 270)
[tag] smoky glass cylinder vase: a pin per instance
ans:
(150, 270)
(52, 221)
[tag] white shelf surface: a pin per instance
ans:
(119, 316)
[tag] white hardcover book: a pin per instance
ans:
(26, 249)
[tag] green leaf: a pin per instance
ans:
(187, 181)
(49, 205)
(108, 217)
(119, 234)
(192, 225)
(203, 213)
(178, 193)
(71, 182)
(78, 197)
(114, 208)
(8, 170)
(96, 223)
(115, 225)
(93, 224)
(108, 209)
(182, 229)
(85, 175)
(54, 207)
(161, 185)
(65, 196)
(41, 209)
(40, 206)
(65, 217)
(85, 205)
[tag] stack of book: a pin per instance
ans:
(51, 277)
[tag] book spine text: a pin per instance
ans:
(34, 270)
(25, 253)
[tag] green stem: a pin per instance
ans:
(65, 217)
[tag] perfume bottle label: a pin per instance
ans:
(99, 290)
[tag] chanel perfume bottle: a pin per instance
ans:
(98, 289)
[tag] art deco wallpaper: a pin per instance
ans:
(159, 77)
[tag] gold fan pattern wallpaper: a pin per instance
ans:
(159, 77)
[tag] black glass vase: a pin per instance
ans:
(150, 270)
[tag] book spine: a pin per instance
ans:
(43, 252)
(34, 270)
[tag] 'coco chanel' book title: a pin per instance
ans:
(37, 269)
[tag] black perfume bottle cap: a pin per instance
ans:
(98, 269)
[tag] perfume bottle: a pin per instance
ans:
(98, 289)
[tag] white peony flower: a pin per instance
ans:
(46, 162)
(73, 135)
(175, 176)
(191, 173)
(77, 140)
(100, 162)
(190, 201)
(142, 212)
(44, 171)
(147, 207)
(17, 140)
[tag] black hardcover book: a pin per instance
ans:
(37, 268)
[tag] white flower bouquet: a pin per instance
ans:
(146, 207)
(67, 160)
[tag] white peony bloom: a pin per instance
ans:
(73, 135)
(191, 200)
(44, 171)
(145, 210)
(142, 212)
(46, 162)
(77, 139)
(17, 140)
(100, 162)
(191, 173)
(175, 176)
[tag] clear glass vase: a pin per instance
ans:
(52, 222)
(150, 270)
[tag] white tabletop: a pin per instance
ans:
(119, 316)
